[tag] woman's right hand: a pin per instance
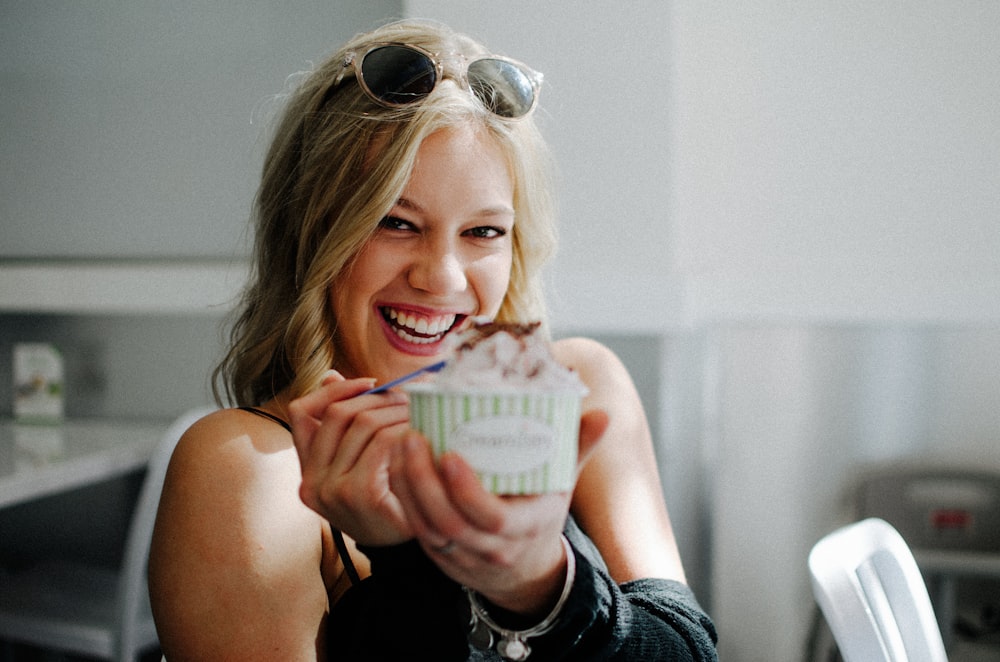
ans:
(507, 548)
(345, 442)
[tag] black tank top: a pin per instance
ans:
(338, 537)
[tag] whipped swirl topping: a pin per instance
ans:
(495, 356)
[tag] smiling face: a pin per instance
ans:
(441, 255)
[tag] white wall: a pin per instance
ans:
(137, 128)
(836, 160)
(834, 197)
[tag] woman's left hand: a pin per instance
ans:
(507, 548)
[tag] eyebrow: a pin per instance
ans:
(501, 210)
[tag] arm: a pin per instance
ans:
(642, 619)
(630, 600)
(236, 562)
(618, 498)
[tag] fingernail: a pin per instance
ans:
(330, 376)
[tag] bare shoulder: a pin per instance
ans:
(618, 500)
(598, 366)
(236, 561)
(237, 473)
(581, 353)
(231, 445)
(235, 427)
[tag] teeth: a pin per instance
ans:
(416, 340)
(429, 328)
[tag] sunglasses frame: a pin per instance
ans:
(353, 61)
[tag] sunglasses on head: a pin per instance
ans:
(398, 75)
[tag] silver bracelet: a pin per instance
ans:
(512, 644)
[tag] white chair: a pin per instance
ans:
(94, 611)
(870, 590)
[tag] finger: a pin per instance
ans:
(400, 484)
(305, 413)
(322, 407)
(330, 377)
(481, 508)
(328, 462)
(349, 430)
(383, 448)
(372, 469)
(423, 494)
(334, 388)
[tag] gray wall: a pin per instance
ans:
(136, 128)
(123, 367)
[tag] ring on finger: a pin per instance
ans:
(446, 548)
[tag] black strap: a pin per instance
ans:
(345, 557)
(338, 537)
(265, 414)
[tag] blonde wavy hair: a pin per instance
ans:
(337, 164)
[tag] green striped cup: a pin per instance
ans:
(517, 442)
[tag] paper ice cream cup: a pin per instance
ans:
(517, 442)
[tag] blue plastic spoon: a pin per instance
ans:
(434, 367)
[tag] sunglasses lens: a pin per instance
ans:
(398, 75)
(502, 87)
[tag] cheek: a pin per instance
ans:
(347, 302)
(355, 283)
(492, 281)
(337, 297)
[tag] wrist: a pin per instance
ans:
(511, 640)
(532, 594)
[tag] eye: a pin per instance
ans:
(396, 223)
(486, 232)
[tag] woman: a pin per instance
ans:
(406, 190)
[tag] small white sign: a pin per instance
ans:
(38, 383)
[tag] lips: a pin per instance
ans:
(419, 328)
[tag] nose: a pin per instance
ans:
(439, 269)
